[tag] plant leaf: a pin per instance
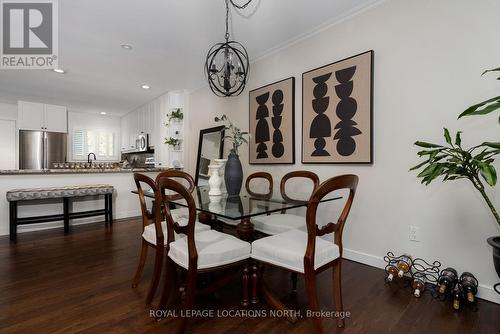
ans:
(489, 106)
(426, 145)
(490, 144)
(492, 70)
(488, 173)
(428, 170)
(447, 136)
(419, 165)
(458, 139)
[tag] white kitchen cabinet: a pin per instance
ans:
(142, 120)
(39, 116)
(55, 118)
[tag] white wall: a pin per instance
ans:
(8, 111)
(95, 122)
(428, 59)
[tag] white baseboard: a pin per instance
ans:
(485, 292)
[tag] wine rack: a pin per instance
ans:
(443, 285)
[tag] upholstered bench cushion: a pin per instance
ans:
(278, 223)
(287, 250)
(214, 249)
(58, 192)
(149, 233)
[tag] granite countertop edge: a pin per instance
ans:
(78, 171)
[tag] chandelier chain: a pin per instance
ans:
(240, 6)
(227, 13)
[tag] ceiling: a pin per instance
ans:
(170, 39)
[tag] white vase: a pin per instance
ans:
(214, 181)
(222, 164)
(215, 205)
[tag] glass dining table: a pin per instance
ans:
(241, 208)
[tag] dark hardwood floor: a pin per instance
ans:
(81, 283)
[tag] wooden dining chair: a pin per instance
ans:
(197, 253)
(180, 211)
(254, 195)
(279, 223)
(306, 253)
(155, 238)
(154, 226)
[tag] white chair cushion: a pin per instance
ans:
(149, 233)
(181, 212)
(287, 250)
(278, 223)
(214, 249)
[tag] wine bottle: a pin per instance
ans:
(404, 265)
(457, 295)
(447, 279)
(418, 285)
(392, 271)
(469, 284)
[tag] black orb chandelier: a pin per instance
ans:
(227, 65)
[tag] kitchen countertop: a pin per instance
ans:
(79, 171)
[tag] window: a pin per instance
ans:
(102, 143)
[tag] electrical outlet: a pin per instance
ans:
(414, 233)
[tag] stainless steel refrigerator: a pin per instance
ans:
(40, 149)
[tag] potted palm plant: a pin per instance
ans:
(452, 161)
(233, 174)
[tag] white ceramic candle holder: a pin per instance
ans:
(214, 181)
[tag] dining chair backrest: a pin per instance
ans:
(260, 175)
(297, 174)
(327, 187)
(172, 173)
(166, 183)
(153, 216)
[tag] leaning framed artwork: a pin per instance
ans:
(337, 108)
(272, 132)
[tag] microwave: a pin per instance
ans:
(142, 142)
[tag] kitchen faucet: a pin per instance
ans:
(88, 157)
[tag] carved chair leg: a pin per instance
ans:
(312, 297)
(337, 290)
(155, 280)
(255, 283)
(190, 298)
(142, 261)
(294, 282)
(245, 280)
(170, 284)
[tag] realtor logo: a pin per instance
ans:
(29, 34)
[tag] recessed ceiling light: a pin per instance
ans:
(126, 47)
(59, 70)
(145, 87)
(103, 113)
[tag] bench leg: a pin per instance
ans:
(106, 209)
(66, 214)
(13, 220)
(110, 208)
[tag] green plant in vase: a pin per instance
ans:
(233, 175)
(454, 162)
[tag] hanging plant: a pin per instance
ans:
(175, 114)
(174, 142)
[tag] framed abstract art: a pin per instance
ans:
(337, 104)
(272, 110)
